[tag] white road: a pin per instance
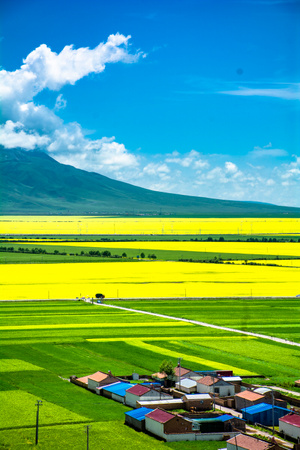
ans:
(209, 325)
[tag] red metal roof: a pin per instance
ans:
(249, 443)
(292, 419)
(208, 380)
(249, 395)
(138, 390)
(160, 415)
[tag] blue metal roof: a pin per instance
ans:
(119, 388)
(225, 417)
(139, 414)
(261, 407)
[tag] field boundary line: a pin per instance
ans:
(204, 324)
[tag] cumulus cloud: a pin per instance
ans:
(190, 159)
(29, 125)
(12, 135)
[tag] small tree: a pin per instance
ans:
(142, 255)
(167, 368)
(124, 255)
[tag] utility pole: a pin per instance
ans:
(38, 404)
(273, 410)
(179, 366)
(87, 437)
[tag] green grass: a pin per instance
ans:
(37, 363)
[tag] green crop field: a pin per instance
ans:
(44, 343)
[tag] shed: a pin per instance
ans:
(161, 423)
(116, 391)
(199, 402)
(186, 385)
(136, 418)
(290, 425)
(263, 413)
(246, 399)
(143, 393)
(174, 403)
(245, 442)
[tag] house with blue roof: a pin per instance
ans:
(116, 391)
(136, 418)
(263, 413)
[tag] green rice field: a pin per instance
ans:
(44, 343)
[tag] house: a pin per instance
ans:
(236, 381)
(174, 403)
(116, 391)
(244, 442)
(213, 385)
(290, 425)
(186, 385)
(218, 424)
(182, 372)
(162, 423)
(139, 393)
(197, 402)
(297, 383)
(99, 379)
(247, 398)
(136, 418)
(264, 413)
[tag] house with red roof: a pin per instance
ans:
(165, 425)
(244, 442)
(139, 393)
(94, 380)
(213, 385)
(247, 398)
(290, 425)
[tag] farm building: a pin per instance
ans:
(214, 385)
(198, 402)
(297, 383)
(174, 403)
(236, 381)
(162, 423)
(263, 413)
(116, 391)
(143, 393)
(218, 424)
(95, 380)
(246, 399)
(290, 425)
(244, 442)
(186, 385)
(136, 418)
(182, 372)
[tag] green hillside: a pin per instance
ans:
(31, 182)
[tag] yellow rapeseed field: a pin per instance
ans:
(42, 225)
(146, 279)
(248, 248)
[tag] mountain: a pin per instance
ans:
(31, 182)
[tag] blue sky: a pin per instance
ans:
(196, 97)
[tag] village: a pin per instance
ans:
(213, 405)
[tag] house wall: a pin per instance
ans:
(177, 425)
(241, 403)
(200, 405)
(203, 389)
(289, 429)
(154, 427)
(224, 391)
(118, 398)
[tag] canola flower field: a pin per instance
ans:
(83, 225)
(146, 279)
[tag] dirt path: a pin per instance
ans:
(209, 325)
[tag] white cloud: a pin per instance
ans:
(267, 151)
(60, 102)
(13, 135)
(292, 92)
(192, 158)
(156, 169)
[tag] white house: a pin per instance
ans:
(290, 425)
(165, 425)
(215, 385)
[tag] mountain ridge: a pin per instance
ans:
(31, 182)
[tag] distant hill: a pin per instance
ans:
(31, 182)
